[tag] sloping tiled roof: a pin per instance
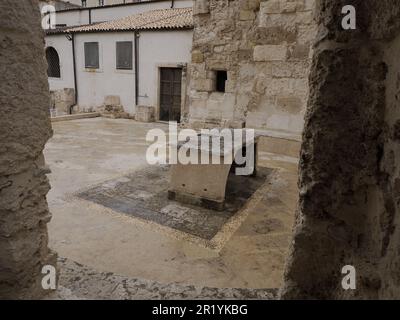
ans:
(178, 18)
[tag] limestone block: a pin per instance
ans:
(261, 83)
(144, 113)
(253, 4)
(270, 53)
(112, 100)
(201, 7)
(219, 49)
(203, 84)
(256, 120)
(198, 108)
(306, 33)
(230, 86)
(304, 17)
(288, 6)
(278, 6)
(114, 112)
(233, 124)
(299, 52)
(290, 69)
(197, 56)
(221, 64)
(271, 6)
(309, 5)
(277, 34)
(197, 70)
(244, 55)
(247, 71)
(291, 104)
(284, 20)
(246, 15)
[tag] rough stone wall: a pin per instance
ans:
(265, 46)
(24, 130)
(348, 211)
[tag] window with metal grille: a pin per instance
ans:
(101, 2)
(124, 55)
(53, 63)
(92, 55)
(84, 3)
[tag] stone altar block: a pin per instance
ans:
(205, 184)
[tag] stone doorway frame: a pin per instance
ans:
(157, 85)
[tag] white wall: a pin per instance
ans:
(73, 17)
(160, 49)
(64, 50)
(95, 85)
(156, 49)
(79, 17)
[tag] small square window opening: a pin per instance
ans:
(220, 81)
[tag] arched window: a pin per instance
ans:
(53, 63)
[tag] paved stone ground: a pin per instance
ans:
(143, 194)
(81, 282)
(249, 252)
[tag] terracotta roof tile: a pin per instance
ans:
(177, 18)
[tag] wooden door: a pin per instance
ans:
(170, 94)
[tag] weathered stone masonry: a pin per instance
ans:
(265, 47)
(349, 167)
(24, 130)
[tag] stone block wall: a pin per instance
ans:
(24, 130)
(266, 48)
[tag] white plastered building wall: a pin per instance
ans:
(64, 49)
(169, 48)
(157, 49)
(95, 84)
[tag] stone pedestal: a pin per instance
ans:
(112, 108)
(205, 184)
(144, 114)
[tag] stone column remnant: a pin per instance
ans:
(348, 212)
(24, 130)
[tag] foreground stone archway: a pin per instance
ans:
(24, 130)
(348, 211)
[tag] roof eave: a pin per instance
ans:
(50, 33)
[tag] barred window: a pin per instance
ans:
(53, 63)
(84, 4)
(124, 55)
(92, 55)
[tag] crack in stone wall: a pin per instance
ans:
(24, 130)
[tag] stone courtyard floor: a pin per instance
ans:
(91, 159)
